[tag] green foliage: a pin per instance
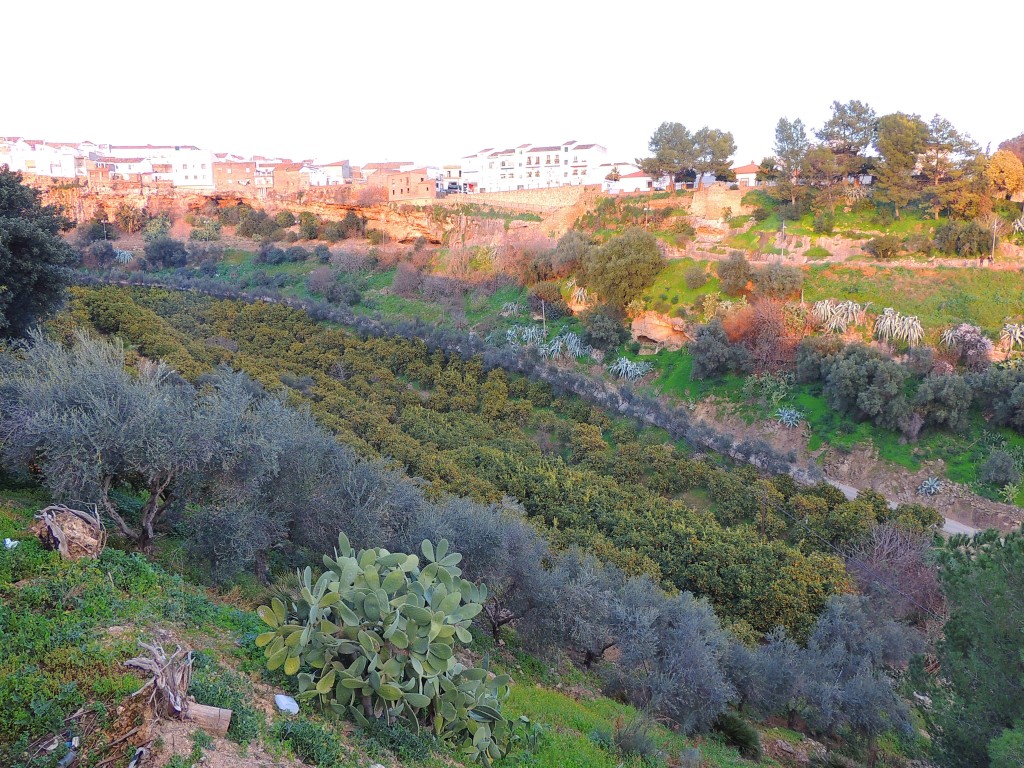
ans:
(863, 384)
(734, 274)
(165, 253)
(999, 469)
(778, 281)
(215, 685)
(379, 632)
(34, 258)
(129, 219)
(622, 268)
(963, 238)
(603, 330)
(983, 579)
(741, 734)
(695, 277)
(713, 354)
(205, 230)
(899, 140)
(313, 743)
(884, 246)
(157, 228)
(1007, 750)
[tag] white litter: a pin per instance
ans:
(11, 543)
(286, 704)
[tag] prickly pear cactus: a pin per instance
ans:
(375, 637)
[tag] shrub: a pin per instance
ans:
(734, 273)
(379, 631)
(129, 218)
(740, 734)
(322, 253)
(333, 231)
(1007, 750)
(376, 236)
(97, 229)
(944, 401)
(861, 383)
(778, 281)
(824, 223)
(309, 225)
(312, 743)
(205, 230)
(695, 277)
(166, 253)
(817, 252)
(156, 228)
(999, 469)
(603, 329)
(623, 267)
(713, 355)
(884, 247)
(101, 253)
(963, 238)
(284, 219)
(296, 253)
(761, 213)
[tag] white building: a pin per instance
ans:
(182, 165)
(332, 174)
(44, 158)
(531, 166)
(746, 175)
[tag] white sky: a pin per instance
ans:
(433, 81)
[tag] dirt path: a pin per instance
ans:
(862, 469)
(950, 526)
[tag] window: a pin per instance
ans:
(203, 166)
(556, 159)
(229, 170)
(548, 161)
(184, 167)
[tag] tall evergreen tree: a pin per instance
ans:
(901, 138)
(34, 259)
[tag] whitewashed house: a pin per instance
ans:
(183, 165)
(530, 166)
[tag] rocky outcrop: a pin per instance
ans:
(655, 328)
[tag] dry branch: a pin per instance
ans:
(72, 532)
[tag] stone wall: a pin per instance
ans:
(529, 200)
(711, 201)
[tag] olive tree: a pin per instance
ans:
(94, 428)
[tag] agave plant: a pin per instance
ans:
(910, 330)
(1012, 336)
(845, 314)
(789, 417)
(123, 257)
(570, 283)
(1018, 225)
(531, 334)
(931, 486)
(823, 310)
(579, 295)
(892, 326)
(630, 370)
(511, 309)
(886, 324)
(1009, 492)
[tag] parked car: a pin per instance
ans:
(454, 187)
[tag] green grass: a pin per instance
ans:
(940, 297)
(671, 283)
(570, 721)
